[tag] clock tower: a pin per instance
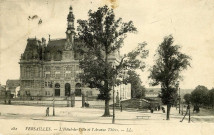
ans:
(70, 30)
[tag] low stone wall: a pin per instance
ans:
(38, 103)
(57, 103)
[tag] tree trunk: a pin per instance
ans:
(168, 111)
(106, 113)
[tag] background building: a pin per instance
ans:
(153, 96)
(13, 86)
(152, 93)
(2, 91)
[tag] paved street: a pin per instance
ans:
(89, 121)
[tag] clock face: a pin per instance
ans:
(69, 31)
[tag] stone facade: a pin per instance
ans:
(123, 91)
(51, 69)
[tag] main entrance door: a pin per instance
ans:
(57, 89)
(78, 90)
(67, 89)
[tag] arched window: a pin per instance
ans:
(57, 89)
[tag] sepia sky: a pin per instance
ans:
(190, 22)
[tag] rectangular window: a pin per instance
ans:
(58, 68)
(53, 74)
(28, 84)
(69, 68)
(47, 75)
(27, 71)
(72, 73)
(57, 75)
(50, 84)
(37, 72)
(46, 84)
(68, 75)
(38, 84)
(32, 72)
(42, 84)
(32, 84)
(47, 68)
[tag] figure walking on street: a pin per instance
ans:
(47, 111)
(187, 111)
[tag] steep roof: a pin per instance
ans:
(36, 49)
(56, 45)
(32, 44)
(32, 50)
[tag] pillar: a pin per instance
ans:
(73, 100)
(83, 100)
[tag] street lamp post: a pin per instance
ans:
(179, 100)
(53, 105)
(189, 112)
(179, 96)
(113, 118)
(182, 107)
(124, 73)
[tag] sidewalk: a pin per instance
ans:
(69, 119)
(91, 115)
(87, 115)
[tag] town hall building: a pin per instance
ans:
(51, 68)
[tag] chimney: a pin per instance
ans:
(43, 42)
(49, 37)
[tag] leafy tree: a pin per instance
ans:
(166, 71)
(137, 90)
(140, 93)
(187, 98)
(199, 95)
(103, 36)
(211, 97)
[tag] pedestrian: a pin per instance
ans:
(158, 107)
(121, 107)
(194, 108)
(163, 109)
(47, 111)
(152, 110)
(187, 111)
(197, 109)
(9, 102)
